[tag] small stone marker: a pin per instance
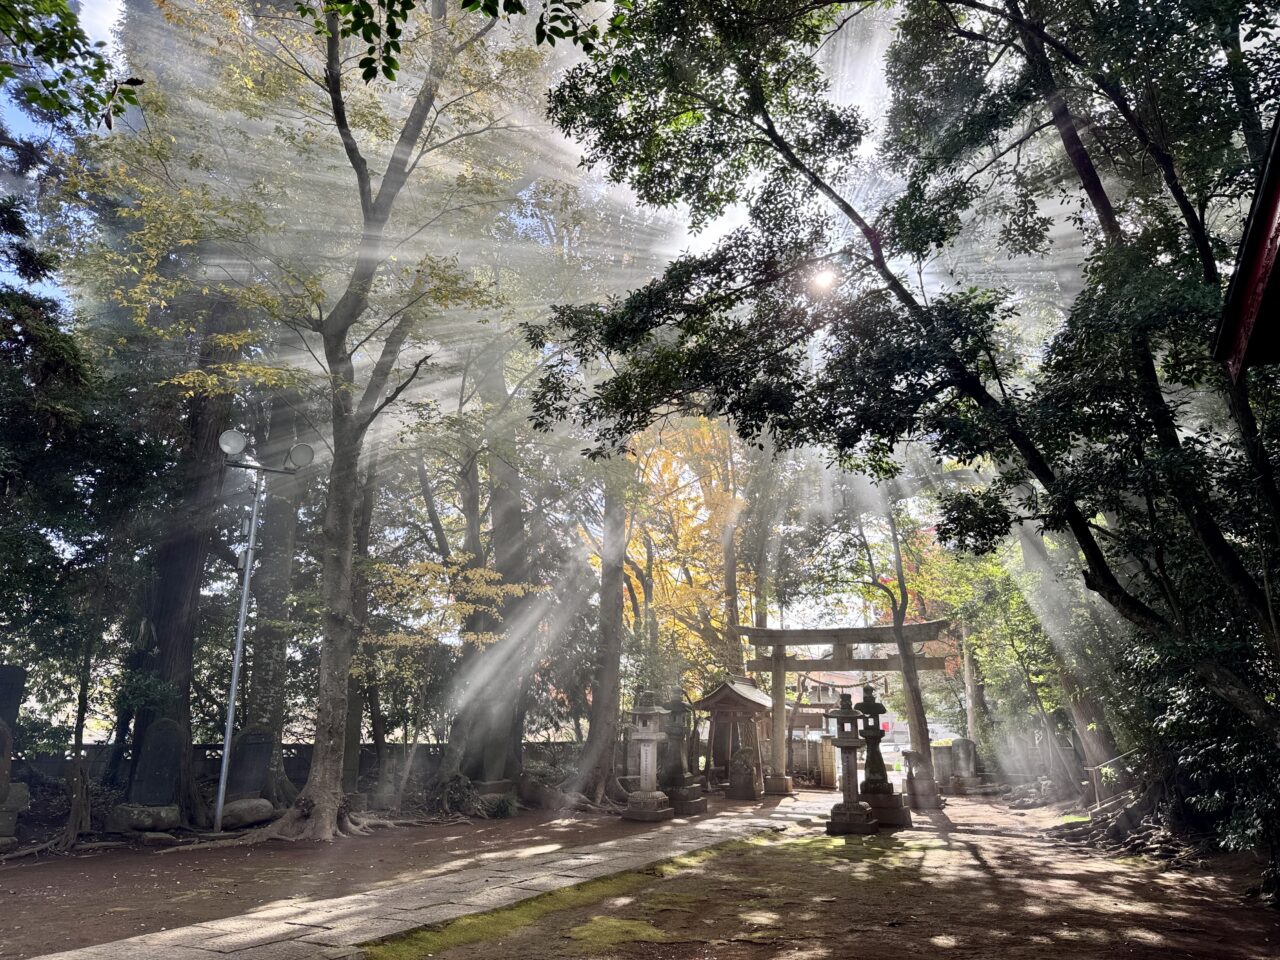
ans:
(964, 766)
(158, 769)
(250, 763)
(941, 754)
(888, 807)
(648, 803)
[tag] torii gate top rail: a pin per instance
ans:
(773, 641)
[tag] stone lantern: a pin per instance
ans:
(680, 786)
(850, 815)
(887, 806)
(647, 803)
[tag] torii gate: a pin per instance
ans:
(840, 639)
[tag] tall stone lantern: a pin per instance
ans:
(680, 786)
(850, 815)
(647, 803)
(887, 806)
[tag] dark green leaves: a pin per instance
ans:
(57, 67)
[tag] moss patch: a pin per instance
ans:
(599, 932)
(495, 924)
(479, 927)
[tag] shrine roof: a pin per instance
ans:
(736, 693)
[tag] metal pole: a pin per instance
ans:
(239, 654)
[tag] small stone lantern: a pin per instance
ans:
(888, 807)
(850, 815)
(648, 803)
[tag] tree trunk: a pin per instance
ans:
(498, 747)
(596, 777)
(272, 585)
(180, 560)
(919, 724)
(319, 813)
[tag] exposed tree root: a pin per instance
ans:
(547, 797)
(1129, 824)
(32, 851)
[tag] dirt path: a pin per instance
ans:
(67, 902)
(977, 881)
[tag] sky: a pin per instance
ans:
(97, 17)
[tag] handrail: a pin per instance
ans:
(1111, 761)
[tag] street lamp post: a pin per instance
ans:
(233, 443)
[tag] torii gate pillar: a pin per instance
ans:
(778, 783)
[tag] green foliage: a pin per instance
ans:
(59, 69)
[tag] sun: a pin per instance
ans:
(823, 280)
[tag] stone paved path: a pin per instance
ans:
(333, 929)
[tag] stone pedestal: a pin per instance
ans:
(779, 786)
(921, 791)
(648, 805)
(687, 802)
(855, 818)
(889, 808)
(923, 794)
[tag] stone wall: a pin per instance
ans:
(206, 759)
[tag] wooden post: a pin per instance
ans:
(778, 782)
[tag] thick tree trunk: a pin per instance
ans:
(497, 705)
(596, 777)
(180, 560)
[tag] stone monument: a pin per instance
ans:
(887, 806)
(964, 766)
(247, 778)
(648, 803)
(940, 753)
(850, 815)
(14, 797)
(153, 792)
(681, 787)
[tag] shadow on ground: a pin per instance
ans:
(949, 888)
